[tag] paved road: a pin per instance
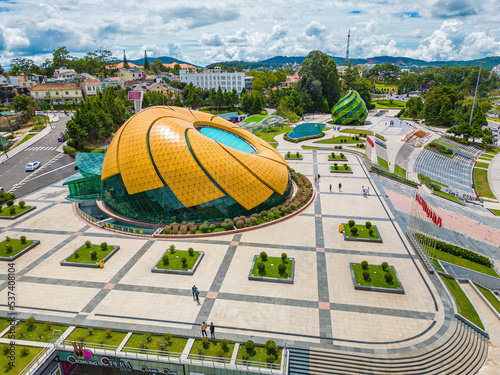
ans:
(54, 165)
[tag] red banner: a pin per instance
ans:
(370, 141)
(436, 219)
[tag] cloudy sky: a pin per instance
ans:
(202, 32)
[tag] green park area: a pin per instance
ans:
(23, 357)
(97, 336)
(361, 231)
(445, 145)
(340, 168)
(495, 302)
(257, 354)
(13, 210)
(220, 349)
(464, 305)
(357, 131)
(383, 163)
(90, 254)
(273, 267)
(481, 183)
(31, 330)
(482, 165)
(389, 104)
(271, 132)
(253, 119)
(179, 260)
(16, 246)
(376, 276)
(342, 139)
(399, 171)
(164, 342)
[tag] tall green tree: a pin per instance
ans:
(25, 104)
(61, 57)
(146, 62)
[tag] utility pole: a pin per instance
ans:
(475, 94)
(347, 51)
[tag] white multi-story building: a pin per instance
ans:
(213, 79)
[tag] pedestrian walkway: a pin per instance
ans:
(494, 176)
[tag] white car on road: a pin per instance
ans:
(32, 166)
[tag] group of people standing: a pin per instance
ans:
(365, 192)
(204, 327)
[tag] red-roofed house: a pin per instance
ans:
(183, 66)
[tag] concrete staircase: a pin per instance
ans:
(461, 350)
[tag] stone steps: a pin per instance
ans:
(461, 350)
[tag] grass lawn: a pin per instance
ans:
(433, 148)
(496, 212)
(383, 163)
(293, 156)
(17, 247)
(39, 333)
(363, 232)
(4, 323)
(212, 349)
(269, 136)
(356, 131)
(98, 336)
(482, 165)
(27, 137)
(446, 195)
(254, 118)
(84, 254)
(340, 168)
(493, 119)
(464, 306)
(380, 136)
(6, 210)
(481, 183)
(274, 144)
(437, 265)
(436, 183)
(453, 259)
(336, 157)
(385, 104)
(399, 171)
(23, 359)
(177, 344)
(490, 297)
(175, 260)
(341, 139)
(389, 86)
(271, 269)
(445, 145)
(376, 276)
(259, 354)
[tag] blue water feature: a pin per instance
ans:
(227, 139)
(306, 130)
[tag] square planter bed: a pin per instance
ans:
(337, 158)
(40, 332)
(340, 169)
(139, 341)
(363, 234)
(23, 357)
(294, 157)
(84, 259)
(271, 272)
(5, 212)
(18, 248)
(175, 264)
(213, 350)
(377, 282)
(258, 354)
(98, 336)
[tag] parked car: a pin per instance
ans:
(32, 166)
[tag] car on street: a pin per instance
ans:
(32, 166)
(61, 138)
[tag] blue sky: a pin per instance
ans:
(203, 32)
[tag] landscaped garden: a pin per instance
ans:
(212, 348)
(270, 132)
(437, 266)
(272, 267)
(31, 330)
(342, 139)
(97, 336)
(10, 246)
(295, 155)
(340, 168)
(166, 342)
(481, 183)
(392, 175)
(439, 148)
(386, 104)
(340, 157)
(269, 353)
(490, 297)
(23, 357)
(179, 260)
(482, 165)
(377, 276)
(89, 253)
(399, 171)
(356, 131)
(383, 163)
(459, 261)
(12, 209)
(367, 231)
(464, 305)
(445, 145)
(447, 196)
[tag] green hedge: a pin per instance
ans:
(393, 176)
(459, 251)
(285, 137)
(98, 151)
(380, 137)
(4, 197)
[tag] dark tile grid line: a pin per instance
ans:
(208, 303)
(330, 216)
(325, 318)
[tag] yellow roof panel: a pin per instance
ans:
(110, 164)
(177, 166)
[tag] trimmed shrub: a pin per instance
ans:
(283, 257)
(240, 224)
(24, 352)
(23, 239)
(88, 244)
(366, 275)
(90, 331)
(183, 229)
(10, 203)
(254, 220)
(370, 232)
(224, 344)
(368, 225)
(211, 227)
(271, 348)
(48, 326)
(22, 204)
(93, 255)
(168, 337)
(385, 265)
(270, 358)
(288, 154)
(282, 268)
(191, 251)
(270, 216)
(364, 265)
(204, 228)
(261, 267)
(248, 222)
(388, 278)
(263, 256)
(230, 225)
(76, 254)
(30, 323)
(298, 154)
(351, 223)
(263, 213)
(184, 262)
(224, 226)
(171, 248)
(148, 337)
(98, 151)
(249, 346)
(7, 239)
(205, 343)
(104, 246)
(8, 248)
(12, 210)
(354, 231)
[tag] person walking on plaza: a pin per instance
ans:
(330, 188)
(194, 289)
(319, 177)
(197, 295)
(315, 178)
(204, 329)
(212, 330)
(340, 186)
(368, 190)
(363, 190)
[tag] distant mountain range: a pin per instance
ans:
(278, 61)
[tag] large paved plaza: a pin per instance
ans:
(321, 307)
